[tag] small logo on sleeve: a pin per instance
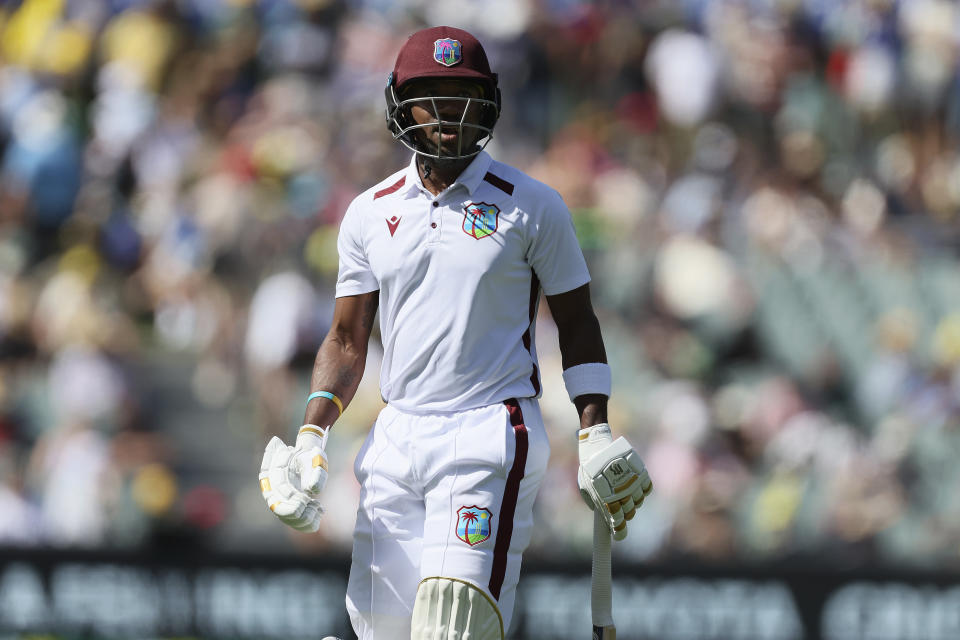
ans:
(393, 223)
(480, 219)
(474, 524)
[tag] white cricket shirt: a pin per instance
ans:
(459, 276)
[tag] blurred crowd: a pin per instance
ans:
(768, 194)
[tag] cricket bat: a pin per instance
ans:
(601, 582)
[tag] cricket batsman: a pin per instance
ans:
(454, 250)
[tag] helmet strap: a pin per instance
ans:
(438, 174)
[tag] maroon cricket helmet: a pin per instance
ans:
(443, 52)
(440, 52)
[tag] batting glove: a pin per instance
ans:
(291, 478)
(612, 477)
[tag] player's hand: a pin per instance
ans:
(612, 477)
(291, 479)
(309, 459)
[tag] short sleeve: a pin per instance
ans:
(554, 252)
(355, 275)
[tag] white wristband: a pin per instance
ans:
(588, 378)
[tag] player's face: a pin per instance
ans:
(448, 139)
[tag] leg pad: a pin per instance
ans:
(452, 609)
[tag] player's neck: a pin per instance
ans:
(437, 176)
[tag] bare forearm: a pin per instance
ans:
(337, 369)
(582, 344)
(341, 358)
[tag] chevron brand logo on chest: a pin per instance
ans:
(393, 223)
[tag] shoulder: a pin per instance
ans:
(369, 201)
(530, 194)
(386, 187)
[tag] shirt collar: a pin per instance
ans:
(470, 178)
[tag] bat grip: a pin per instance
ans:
(601, 599)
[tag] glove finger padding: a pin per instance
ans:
(616, 514)
(281, 492)
(275, 487)
(309, 520)
(284, 482)
(611, 474)
(645, 485)
(643, 489)
(275, 445)
(281, 497)
(611, 512)
(287, 508)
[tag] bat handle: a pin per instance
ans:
(601, 582)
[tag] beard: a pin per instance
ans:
(448, 140)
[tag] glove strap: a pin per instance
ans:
(600, 431)
(593, 439)
(310, 435)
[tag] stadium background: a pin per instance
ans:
(768, 194)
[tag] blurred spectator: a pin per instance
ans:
(770, 190)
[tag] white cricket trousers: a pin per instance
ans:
(443, 494)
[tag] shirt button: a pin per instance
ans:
(436, 204)
(433, 225)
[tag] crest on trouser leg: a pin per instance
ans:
(474, 524)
